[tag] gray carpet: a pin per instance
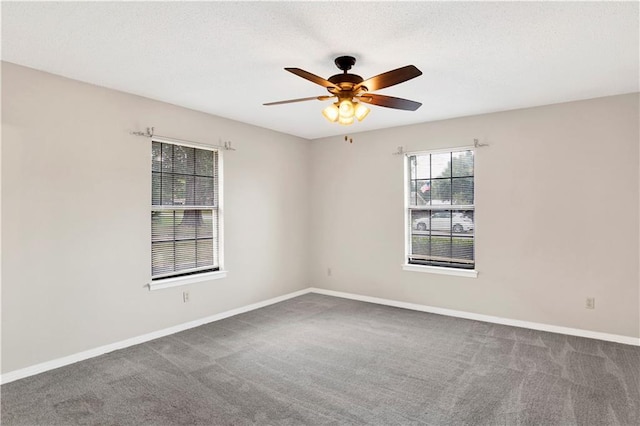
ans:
(324, 360)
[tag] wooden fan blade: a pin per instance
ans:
(390, 102)
(319, 98)
(312, 77)
(390, 78)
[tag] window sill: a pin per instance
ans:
(470, 273)
(189, 279)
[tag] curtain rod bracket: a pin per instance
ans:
(148, 133)
(400, 151)
(477, 144)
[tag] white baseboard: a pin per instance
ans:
(627, 340)
(81, 356)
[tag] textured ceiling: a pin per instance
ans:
(227, 58)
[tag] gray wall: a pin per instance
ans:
(76, 217)
(556, 212)
(557, 216)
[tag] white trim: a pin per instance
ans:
(432, 207)
(406, 204)
(627, 340)
(81, 356)
(408, 219)
(190, 144)
(158, 208)
(471, 273)
(441, 150)
(191, 279)
(187, 279)
(221, 210)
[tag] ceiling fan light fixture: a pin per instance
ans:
(345, 121)
(361, 111)
(348, 88)
(346, 109)
(331, 113)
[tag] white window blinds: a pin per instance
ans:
(441, 209)
(184, 211)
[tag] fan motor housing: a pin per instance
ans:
(346, 81)
(346, 78)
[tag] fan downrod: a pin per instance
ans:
(345, 63)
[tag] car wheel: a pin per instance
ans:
(457, 228)
(421, 227)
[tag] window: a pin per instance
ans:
(440, 212)
(184, 211)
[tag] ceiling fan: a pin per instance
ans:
(351, 91)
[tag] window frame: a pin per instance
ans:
(193, 276)
(443, 270)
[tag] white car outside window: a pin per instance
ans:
(441, 221)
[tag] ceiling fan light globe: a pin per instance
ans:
(331, 113)
(361, 111)
(345, 121)
(346, 109)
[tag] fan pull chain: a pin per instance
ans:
(347, 138)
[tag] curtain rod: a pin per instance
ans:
(476, 144)
(149, 134)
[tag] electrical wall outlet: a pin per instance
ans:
(185, 296)
(590, 303)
